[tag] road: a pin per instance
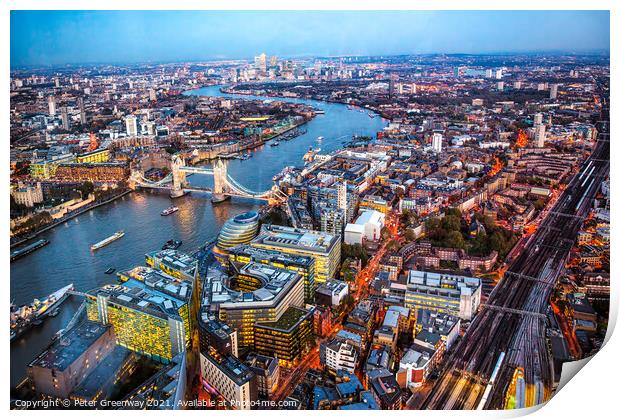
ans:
(311, 359)
(513, 321)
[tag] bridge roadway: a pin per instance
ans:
(526, 287)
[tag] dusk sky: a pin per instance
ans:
(69, 37)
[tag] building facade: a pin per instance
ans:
(455, 294)
(150, 312)
(28, 195)
(278, 289)
(287, 338)
(61, 367)
(238, 230)
(340, 355)
(244, 254)
(323, 247)
(230, 378)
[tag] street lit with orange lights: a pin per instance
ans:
(312, 225)
(291, 378)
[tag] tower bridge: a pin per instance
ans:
(224, 185)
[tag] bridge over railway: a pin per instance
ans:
(224, 185)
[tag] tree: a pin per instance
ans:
(455, 239)
(347, 301)
(385, 233)
(75, 195)
(410, 235)
(33, 223)
(539, 204)
(355, 251)
(451, 222)
(87, 188)
(121, 185)
(349, 277)
(275, 216)
(478, 245)
(487, 221)
(405, 218)
(17, 209)
(393, 245)
(452, 211)
(432, 224)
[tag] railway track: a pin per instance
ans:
(524, 291)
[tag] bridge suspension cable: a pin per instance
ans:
(240, 189)
(235, 187)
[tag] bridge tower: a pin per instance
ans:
(220, 174)
(178, 176)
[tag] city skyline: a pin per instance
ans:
(52, 38)
(307, 210)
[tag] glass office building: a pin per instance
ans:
(286, 338)
(150, 312)
(323, 247)
(237, 230)
(244, 254)
(239, 304)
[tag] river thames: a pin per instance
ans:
(68, 259)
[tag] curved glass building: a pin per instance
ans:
(237, 230)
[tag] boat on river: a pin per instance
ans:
(108, 240)
(27, 316)
(169, 211)
(172, 244)
(28, 249)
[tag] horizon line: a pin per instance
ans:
(589, 52)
